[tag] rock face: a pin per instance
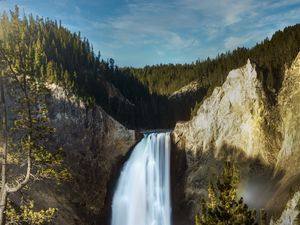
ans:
(94, 145)
(288, 157)
(289, 105)
(186, 98)
(192, 87)
(290, 213)
(238, 121)
(233, 115)
(94, 142)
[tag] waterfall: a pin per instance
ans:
(142, 195)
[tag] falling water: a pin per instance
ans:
(142, 196)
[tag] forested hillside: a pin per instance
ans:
(62, 57)
(270, 56)
(138, 98)
(68, 60)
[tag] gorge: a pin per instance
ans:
(241, 106)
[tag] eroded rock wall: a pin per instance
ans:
(291, 212)
(233, 115)
(237, 121)
(94, 144)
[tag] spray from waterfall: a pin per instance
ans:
(142, 195)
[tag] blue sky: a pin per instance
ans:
(139, 32)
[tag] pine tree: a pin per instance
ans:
(222, 206)
(263, 220)
(25, 142)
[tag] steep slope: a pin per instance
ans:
(289, 104)
(237, 121)
(95, 145)
(290, 213)
(289, 155)
(192, 87)
(186, 97)
(270, 55)
(233, 115)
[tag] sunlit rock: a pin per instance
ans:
(290, 213)
(233, 115)
(289, 105)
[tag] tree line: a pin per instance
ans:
(68, 59)
(270, 56)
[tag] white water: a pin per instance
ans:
(142, 196)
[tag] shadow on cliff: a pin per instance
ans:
(191, 173)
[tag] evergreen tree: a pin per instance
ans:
(297, 219)
(222, 206)
(67, 59)
(25, 142)
(263, 220)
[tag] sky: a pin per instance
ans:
(140, 32)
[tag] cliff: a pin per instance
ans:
(238, 121)
(291, 213)
(289, 105)
(289, 155)
(94, 145)
(233, 115)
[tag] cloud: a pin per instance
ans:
(171, 23)
(224, 13)
(188, 26)
(168, 30)
(149, 23)
(233, 42)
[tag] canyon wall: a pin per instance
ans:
(238, 121)
(94, 146)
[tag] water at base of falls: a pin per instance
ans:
(142, 195)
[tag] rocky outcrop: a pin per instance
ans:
(94, 145)
(230, 121)
(238, 121)
(233, 115)
(184, 100)
(289, 155)
(289, 105)
(192, 88)
(93, 141)
(291, 213)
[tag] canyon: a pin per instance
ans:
(237, 122)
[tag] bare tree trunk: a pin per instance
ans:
(5, 189)
(3, 192)
(26, 179)
(3, 203)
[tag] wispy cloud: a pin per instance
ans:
(236, 41)
(139, 32)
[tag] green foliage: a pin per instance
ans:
(57, 55)
(24, 55)
(25, 214)
(270, 56)
(222, 206)
(297, 219)
(68, 60)
(24, 58)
